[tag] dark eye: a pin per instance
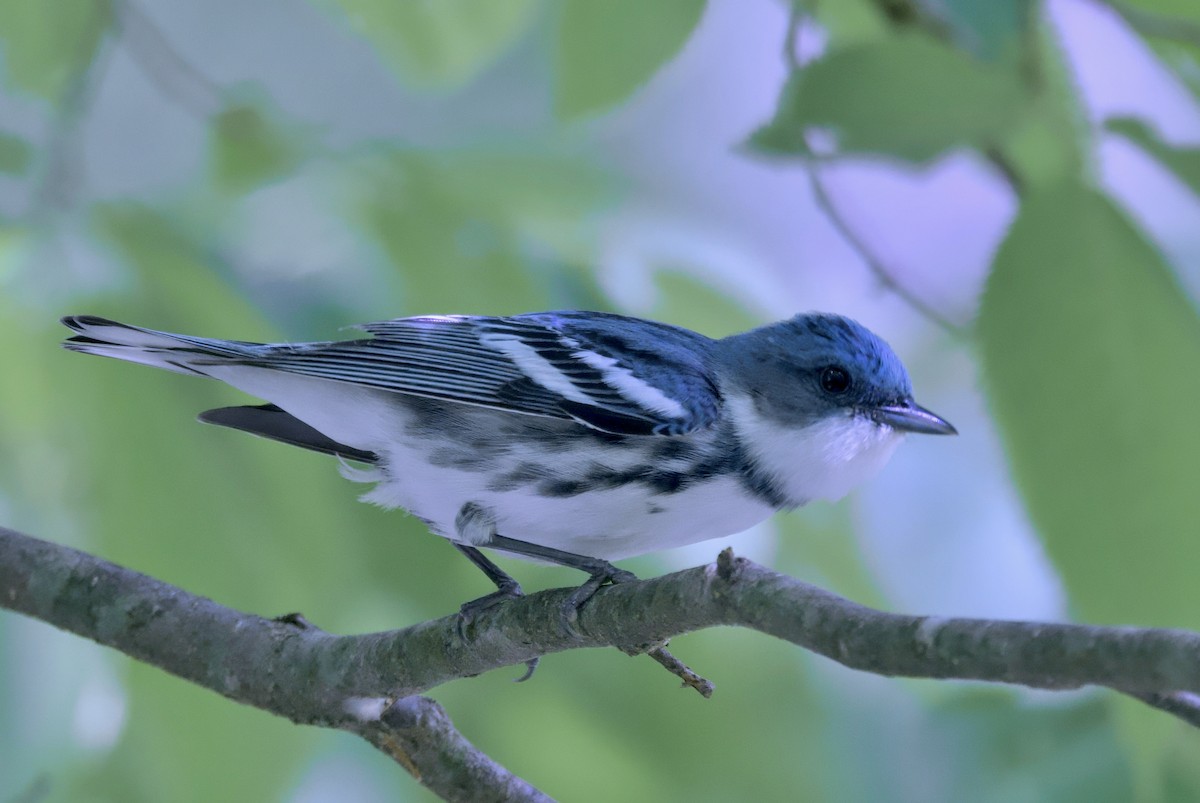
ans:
(835, 379)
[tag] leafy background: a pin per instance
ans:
(1005, 189)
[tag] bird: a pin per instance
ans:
(569, 437)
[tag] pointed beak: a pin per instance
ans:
(908, 416)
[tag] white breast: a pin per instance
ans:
(822, 461)
(608, 523)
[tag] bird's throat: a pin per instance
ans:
(823, 460)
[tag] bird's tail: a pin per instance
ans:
(180, 353)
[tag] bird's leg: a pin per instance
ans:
(599, 572)
(476, 524)
(506, 588)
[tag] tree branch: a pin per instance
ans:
(418, 735)
(364, 683)
(245, 658)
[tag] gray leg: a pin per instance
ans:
(506, 586)
(475, 524)
(599, 572)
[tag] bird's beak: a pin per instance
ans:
(908, 416)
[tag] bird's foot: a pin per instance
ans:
(603, 573)
(467, 614)
(469, 611)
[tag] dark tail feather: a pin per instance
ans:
(269, 421)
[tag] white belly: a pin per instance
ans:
(609, 523)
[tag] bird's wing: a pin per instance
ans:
(616, 374)
(269, 421)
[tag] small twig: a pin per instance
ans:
(175, 77)
(791, 40)
(825, 203)
(681, 670)
(874, 264)
(64, 168)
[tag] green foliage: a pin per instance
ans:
(700, 306)
(15, 153)
(1088, 348)
(990, 748)
(1184, 9)
(249, 147)
(1183, 162)
(459, 227)
(47, 43)
(605, 51)
(913, 98)
(989, 30)
(1172, 28)
(441, 44)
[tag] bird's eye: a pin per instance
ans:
(835, 379)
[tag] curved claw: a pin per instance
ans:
(468, 611)
(530, 667)
(606, 573)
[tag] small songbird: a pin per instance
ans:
(570, 437)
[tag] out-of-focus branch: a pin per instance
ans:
(821, 195)
(881, 272)
(63, 172)
(174, 76)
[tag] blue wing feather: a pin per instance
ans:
(652, 378)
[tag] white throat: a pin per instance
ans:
(822, 461)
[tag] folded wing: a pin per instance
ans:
(617, 374)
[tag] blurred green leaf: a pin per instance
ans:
(1149, 744)
(1183, 162)
(992, 30)
(1183, 60)
(1172, 28)
(1000, 751)
(968, 744)
(850, 21)
(48, 42)
(1090, 350)
(685, 301)
(907, 96)
(248, 148)
(15, 153)
(440, 44)
(463, 228)
(1182, 771)
(1053, 140)
(1043, 149)
(1179, 9)
(818, 545)
(607, 50)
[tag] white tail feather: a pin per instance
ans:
(164, 350)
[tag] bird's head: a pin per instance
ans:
(820, 401)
